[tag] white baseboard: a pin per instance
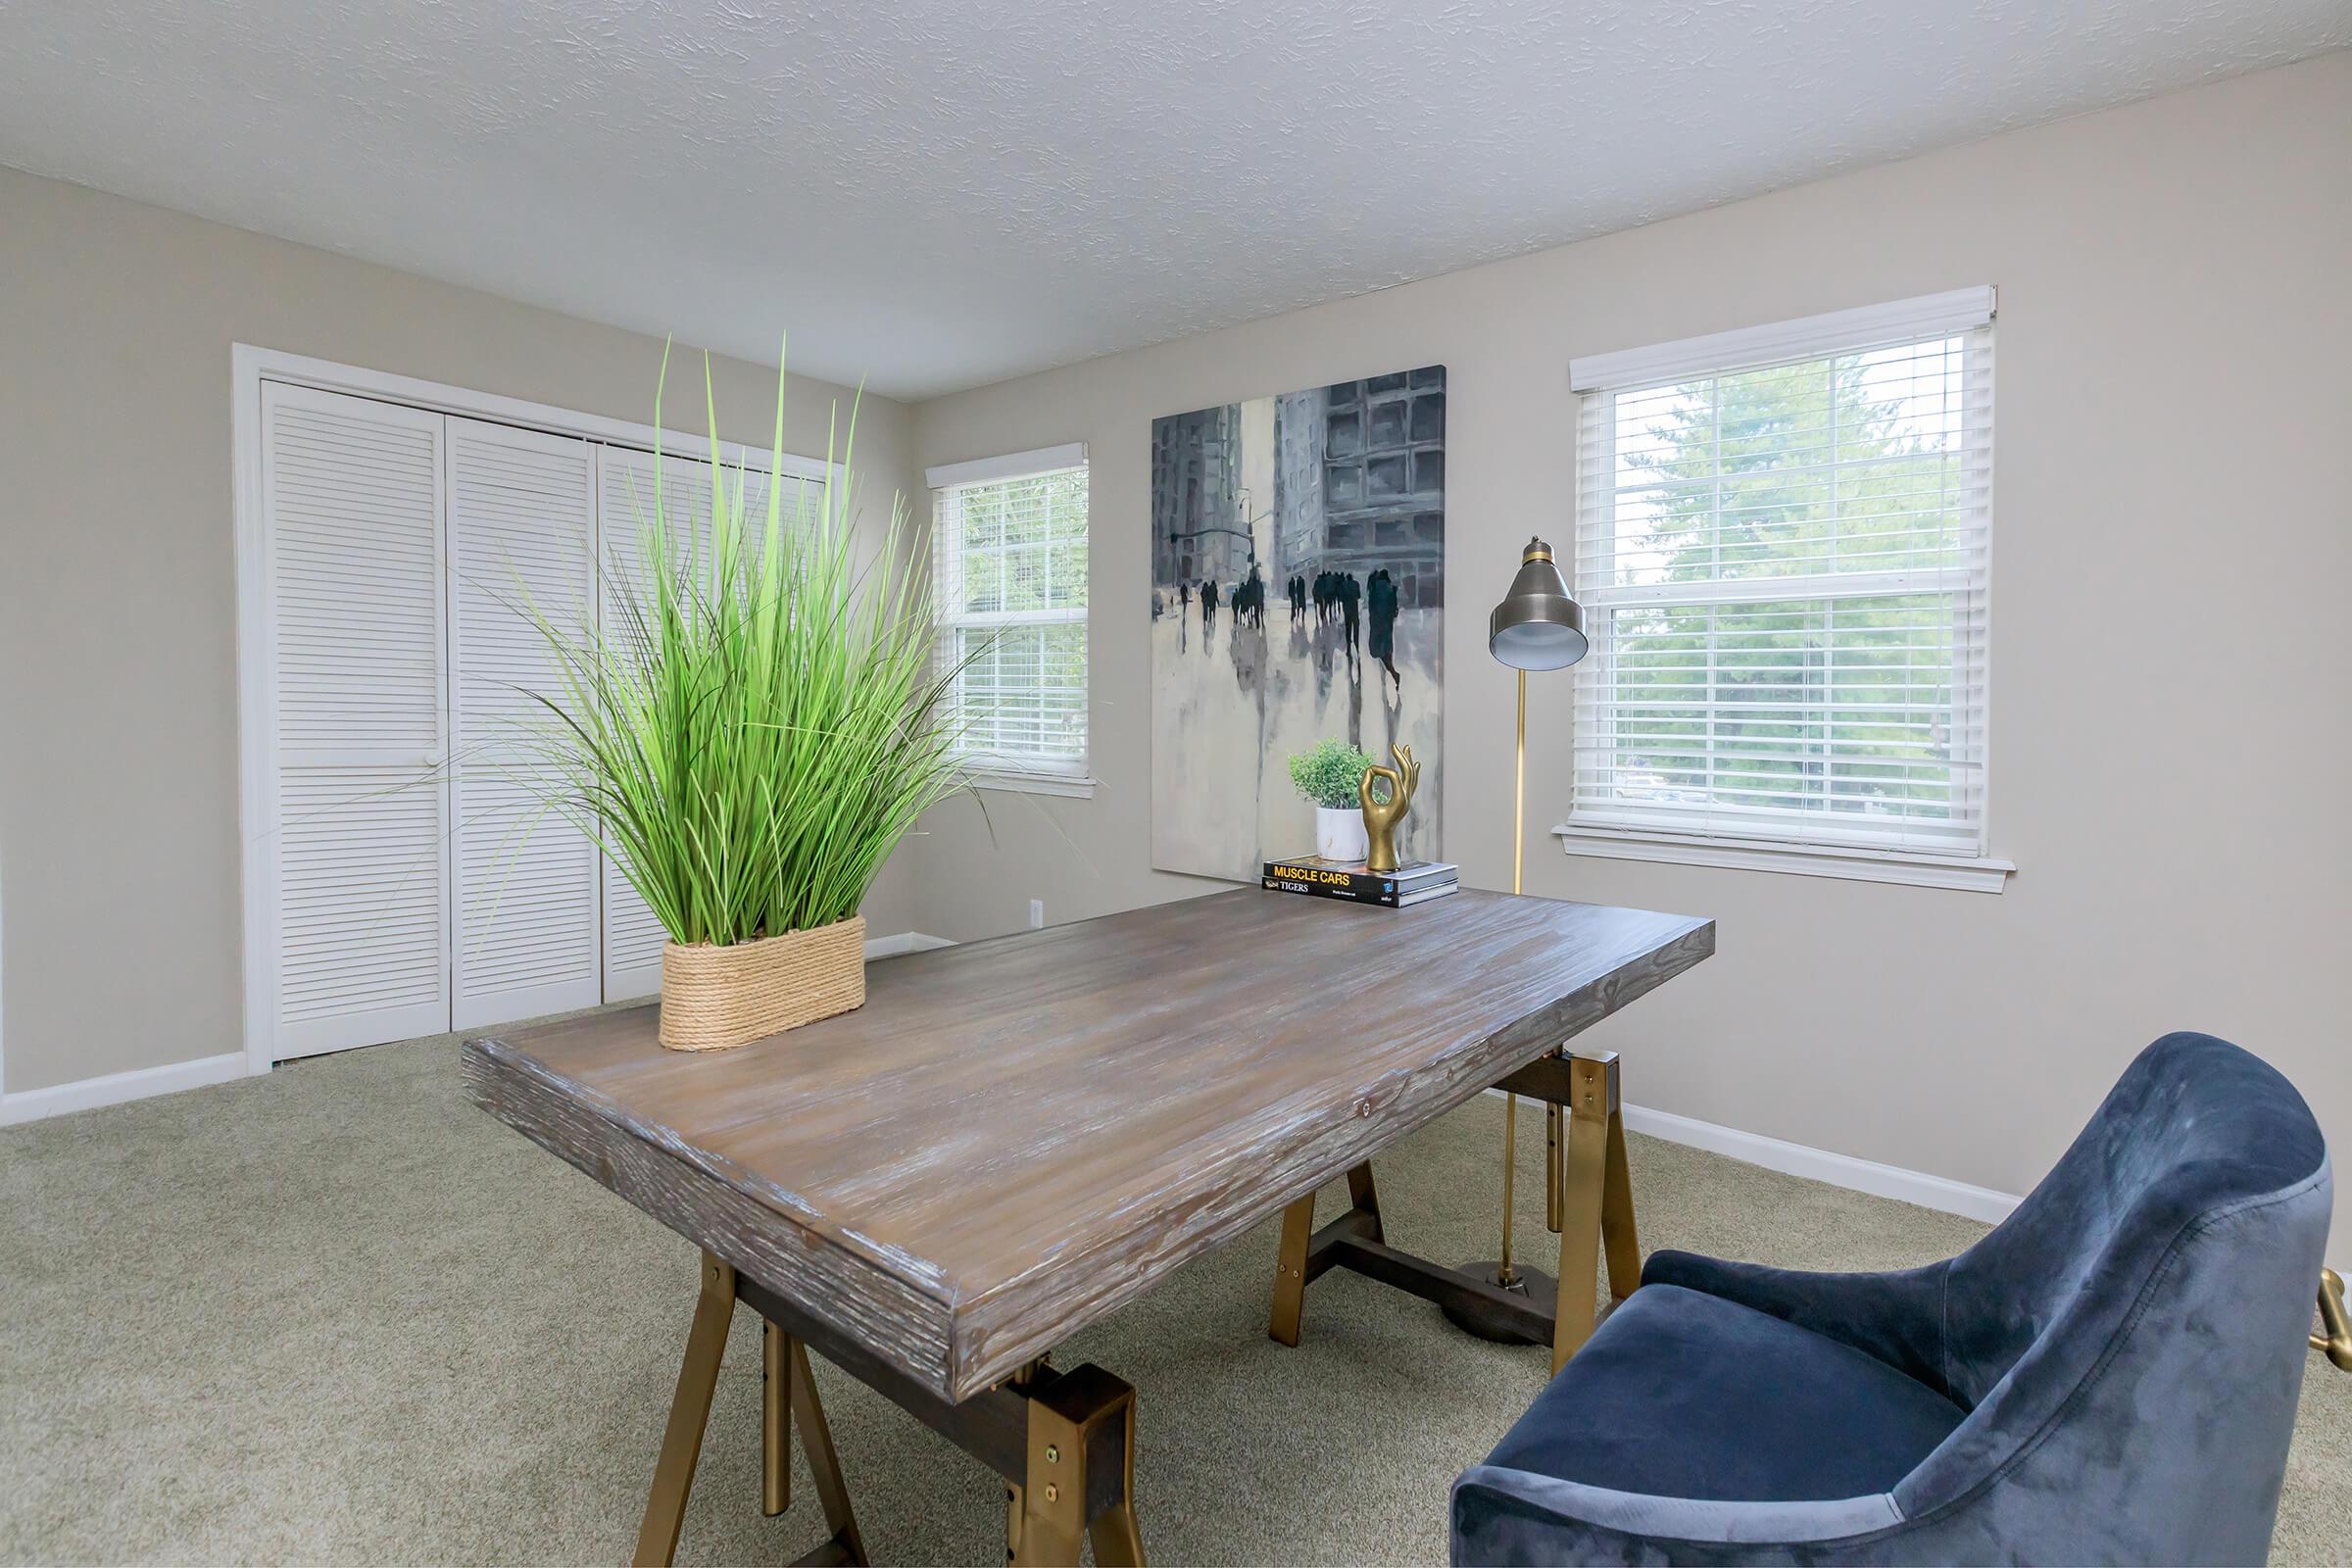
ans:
(1859, 1175)
(889, 947)
(115, 1088)
(1822, 1165)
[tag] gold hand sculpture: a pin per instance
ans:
(1382, 816)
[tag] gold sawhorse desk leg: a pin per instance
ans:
(787, 1398)
(1592, 1200)
(689, 1414)
(1064, 1442)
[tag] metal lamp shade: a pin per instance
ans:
(1538, 626)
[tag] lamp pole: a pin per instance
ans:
(1519, 790)
(1504, 1275)
(1536, 626)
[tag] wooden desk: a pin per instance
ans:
(1012, 1137)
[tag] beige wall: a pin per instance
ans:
(2172, 541)
(2173, 531)
(119, 903)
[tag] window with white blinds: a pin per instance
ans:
(1782, 542)
(1008, 573)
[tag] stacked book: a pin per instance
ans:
(1413, 882)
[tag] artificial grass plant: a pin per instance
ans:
(757, 719)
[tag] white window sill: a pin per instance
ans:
(1075, 786)
(1908, 867)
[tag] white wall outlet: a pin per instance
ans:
(1037, 914)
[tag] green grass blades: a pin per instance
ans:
(755, 717)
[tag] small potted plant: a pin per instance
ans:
(1328, 776)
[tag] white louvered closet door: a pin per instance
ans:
(625, 495)
(356, 860)
(522, 533)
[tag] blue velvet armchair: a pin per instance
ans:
(2110, 1376)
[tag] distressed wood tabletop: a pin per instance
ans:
(1012, 1137)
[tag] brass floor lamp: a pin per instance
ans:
(1536, 626)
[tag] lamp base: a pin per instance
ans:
(1474, 1317)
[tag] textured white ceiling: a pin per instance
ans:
(941, 193)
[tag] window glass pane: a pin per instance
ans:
(983, 588)
(1025, 576)
(983, 516)
(1025, 512)
(1014, 555)
(1837, 704)
(1781, 572)
(1067, 575)
(1848, 464)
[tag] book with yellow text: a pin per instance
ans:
(1414, 882)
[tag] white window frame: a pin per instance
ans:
(996, 770)
(1615, 835)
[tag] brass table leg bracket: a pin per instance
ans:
(1598, 1206)
(1079, 1475)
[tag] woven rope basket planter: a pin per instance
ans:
(715, 997)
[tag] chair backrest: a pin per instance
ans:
(2134, 1332)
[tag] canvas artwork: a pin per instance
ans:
(1297, 591)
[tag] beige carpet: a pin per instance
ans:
(338, 1315)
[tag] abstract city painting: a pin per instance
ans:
(1297, 591)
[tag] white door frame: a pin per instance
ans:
(248, 367)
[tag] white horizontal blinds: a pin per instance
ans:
(626, 500)
(1782, 569)
(522, 525)
(351, 499)
(1010, 573)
